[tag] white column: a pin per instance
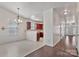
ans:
(48, 27)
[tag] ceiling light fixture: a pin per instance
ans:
(66, 11)
(18, 20)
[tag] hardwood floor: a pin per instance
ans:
(62, 49)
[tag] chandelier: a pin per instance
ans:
(18, 20)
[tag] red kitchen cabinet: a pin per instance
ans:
(39, 27)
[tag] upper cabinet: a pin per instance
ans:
(28, 25)
(31, 25)
(39, 26)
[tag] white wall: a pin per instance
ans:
(31, 35)
(5, 35)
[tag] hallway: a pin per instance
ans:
(65, 48)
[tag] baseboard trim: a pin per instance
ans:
(56, 43)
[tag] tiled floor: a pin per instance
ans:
(19, 48)
(65, 48)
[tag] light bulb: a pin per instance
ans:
(18, 20)
(65, 13)
(21, 21)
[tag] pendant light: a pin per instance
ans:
(18, 20)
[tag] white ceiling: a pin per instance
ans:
(27, 9)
